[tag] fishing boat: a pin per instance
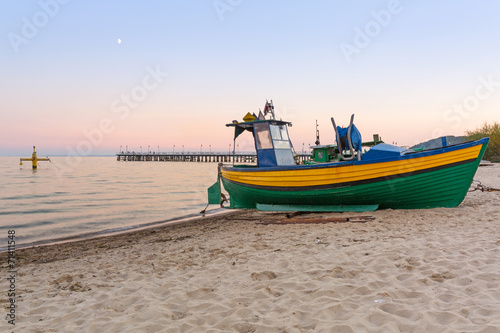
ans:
(344, 176)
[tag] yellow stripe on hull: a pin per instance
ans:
(311, 176)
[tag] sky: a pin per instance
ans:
(95, 77)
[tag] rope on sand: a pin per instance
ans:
(477, 186)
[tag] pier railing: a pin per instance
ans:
(196, 157)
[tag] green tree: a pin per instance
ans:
(493, 132)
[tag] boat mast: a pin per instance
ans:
(317, 133)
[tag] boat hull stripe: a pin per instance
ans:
(351, 183)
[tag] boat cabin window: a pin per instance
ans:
(262, 137)
(284, 132)
(280, 137)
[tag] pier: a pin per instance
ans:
(196, 157)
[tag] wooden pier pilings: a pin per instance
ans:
(194, 157)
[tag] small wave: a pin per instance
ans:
(33, 211)
(35, 196)
(28, 225)
(28, 196)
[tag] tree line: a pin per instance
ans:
(493, 132)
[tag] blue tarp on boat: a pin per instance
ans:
(355, 137)
(383, 150)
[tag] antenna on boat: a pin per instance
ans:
(317, 133)
(269, 108)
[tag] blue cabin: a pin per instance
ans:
(272, 142)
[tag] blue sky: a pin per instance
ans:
(420, 69)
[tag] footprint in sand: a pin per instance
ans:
(262, 276)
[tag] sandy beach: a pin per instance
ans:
(435, 270)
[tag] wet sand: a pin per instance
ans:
(435, 270)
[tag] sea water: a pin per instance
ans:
(70, 197)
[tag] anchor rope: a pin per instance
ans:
(480, 187)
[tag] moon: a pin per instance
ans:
(119, 41)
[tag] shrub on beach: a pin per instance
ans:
(493, 132)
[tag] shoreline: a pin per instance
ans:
(64, 249)
(119, 231)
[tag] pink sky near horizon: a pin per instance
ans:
(202, 132)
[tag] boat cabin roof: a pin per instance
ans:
(248, 125)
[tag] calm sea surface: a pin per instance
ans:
(71, 197)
